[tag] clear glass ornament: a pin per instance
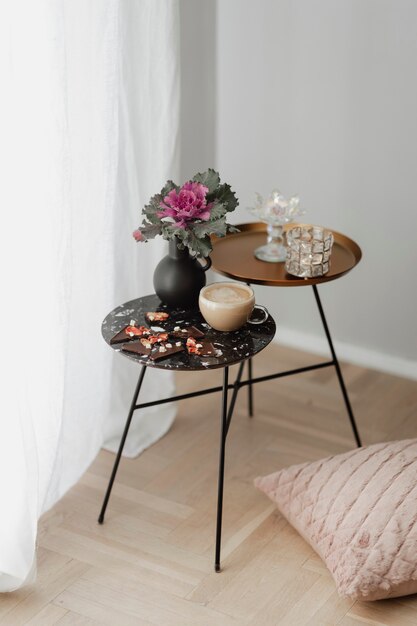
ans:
(275, 211)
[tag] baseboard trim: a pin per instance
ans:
(364, 357)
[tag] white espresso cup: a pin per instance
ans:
(228, 306)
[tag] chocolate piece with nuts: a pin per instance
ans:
(155, 352)
(200, 347)
(137, 348)
(130, 333)
(164, 351)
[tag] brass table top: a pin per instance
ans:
(232, 256)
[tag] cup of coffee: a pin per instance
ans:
(228, 306)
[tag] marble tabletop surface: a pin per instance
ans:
(231, 347)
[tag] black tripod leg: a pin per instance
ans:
(121, 446)
(338, 370)
(223, 434)
(236, 386)
(250, 390)
(250, 387)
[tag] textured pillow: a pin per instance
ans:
(358, 511)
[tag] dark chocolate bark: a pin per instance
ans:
(136, 348)
(187, 331)
(162, 352)
(123, 335)
(200, 347)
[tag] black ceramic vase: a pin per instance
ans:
(178, 278)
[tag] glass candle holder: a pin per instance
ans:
(308, 251)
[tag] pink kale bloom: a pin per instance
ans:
(138, 235)
(187, 205)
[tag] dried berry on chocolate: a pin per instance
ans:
(157, 316)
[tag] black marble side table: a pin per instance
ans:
(231, 348)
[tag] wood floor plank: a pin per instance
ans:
(116, 557)
(387, 612)
(310, 603)
(189, 611)
(120, 595)
(130, 535)
(97, 611)
(44, 594)
(48, 616)
(166, 506)
(239, 560)
(332, 611)
(48, 564)
(351, 621)
(255, 586)
(75, 619)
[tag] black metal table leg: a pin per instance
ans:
(122, 443)
(223, 433)
(235, 386)
(250, 389)
(338, 370)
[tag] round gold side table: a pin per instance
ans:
(232, 256)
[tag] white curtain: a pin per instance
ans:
(90, 110)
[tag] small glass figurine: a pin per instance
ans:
(275, 211)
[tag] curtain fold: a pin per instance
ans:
(91, 128)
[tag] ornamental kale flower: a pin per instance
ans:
(190, 214)
(188, 204)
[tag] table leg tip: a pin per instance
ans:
(217, 567)
(101, 519)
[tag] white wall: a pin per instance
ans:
(320, 98)
(198, 86)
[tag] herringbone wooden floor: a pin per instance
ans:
(151, 563)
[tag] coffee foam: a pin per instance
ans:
(228, 295)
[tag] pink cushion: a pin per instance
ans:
(358, 511)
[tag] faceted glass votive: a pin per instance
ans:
(308, 251)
